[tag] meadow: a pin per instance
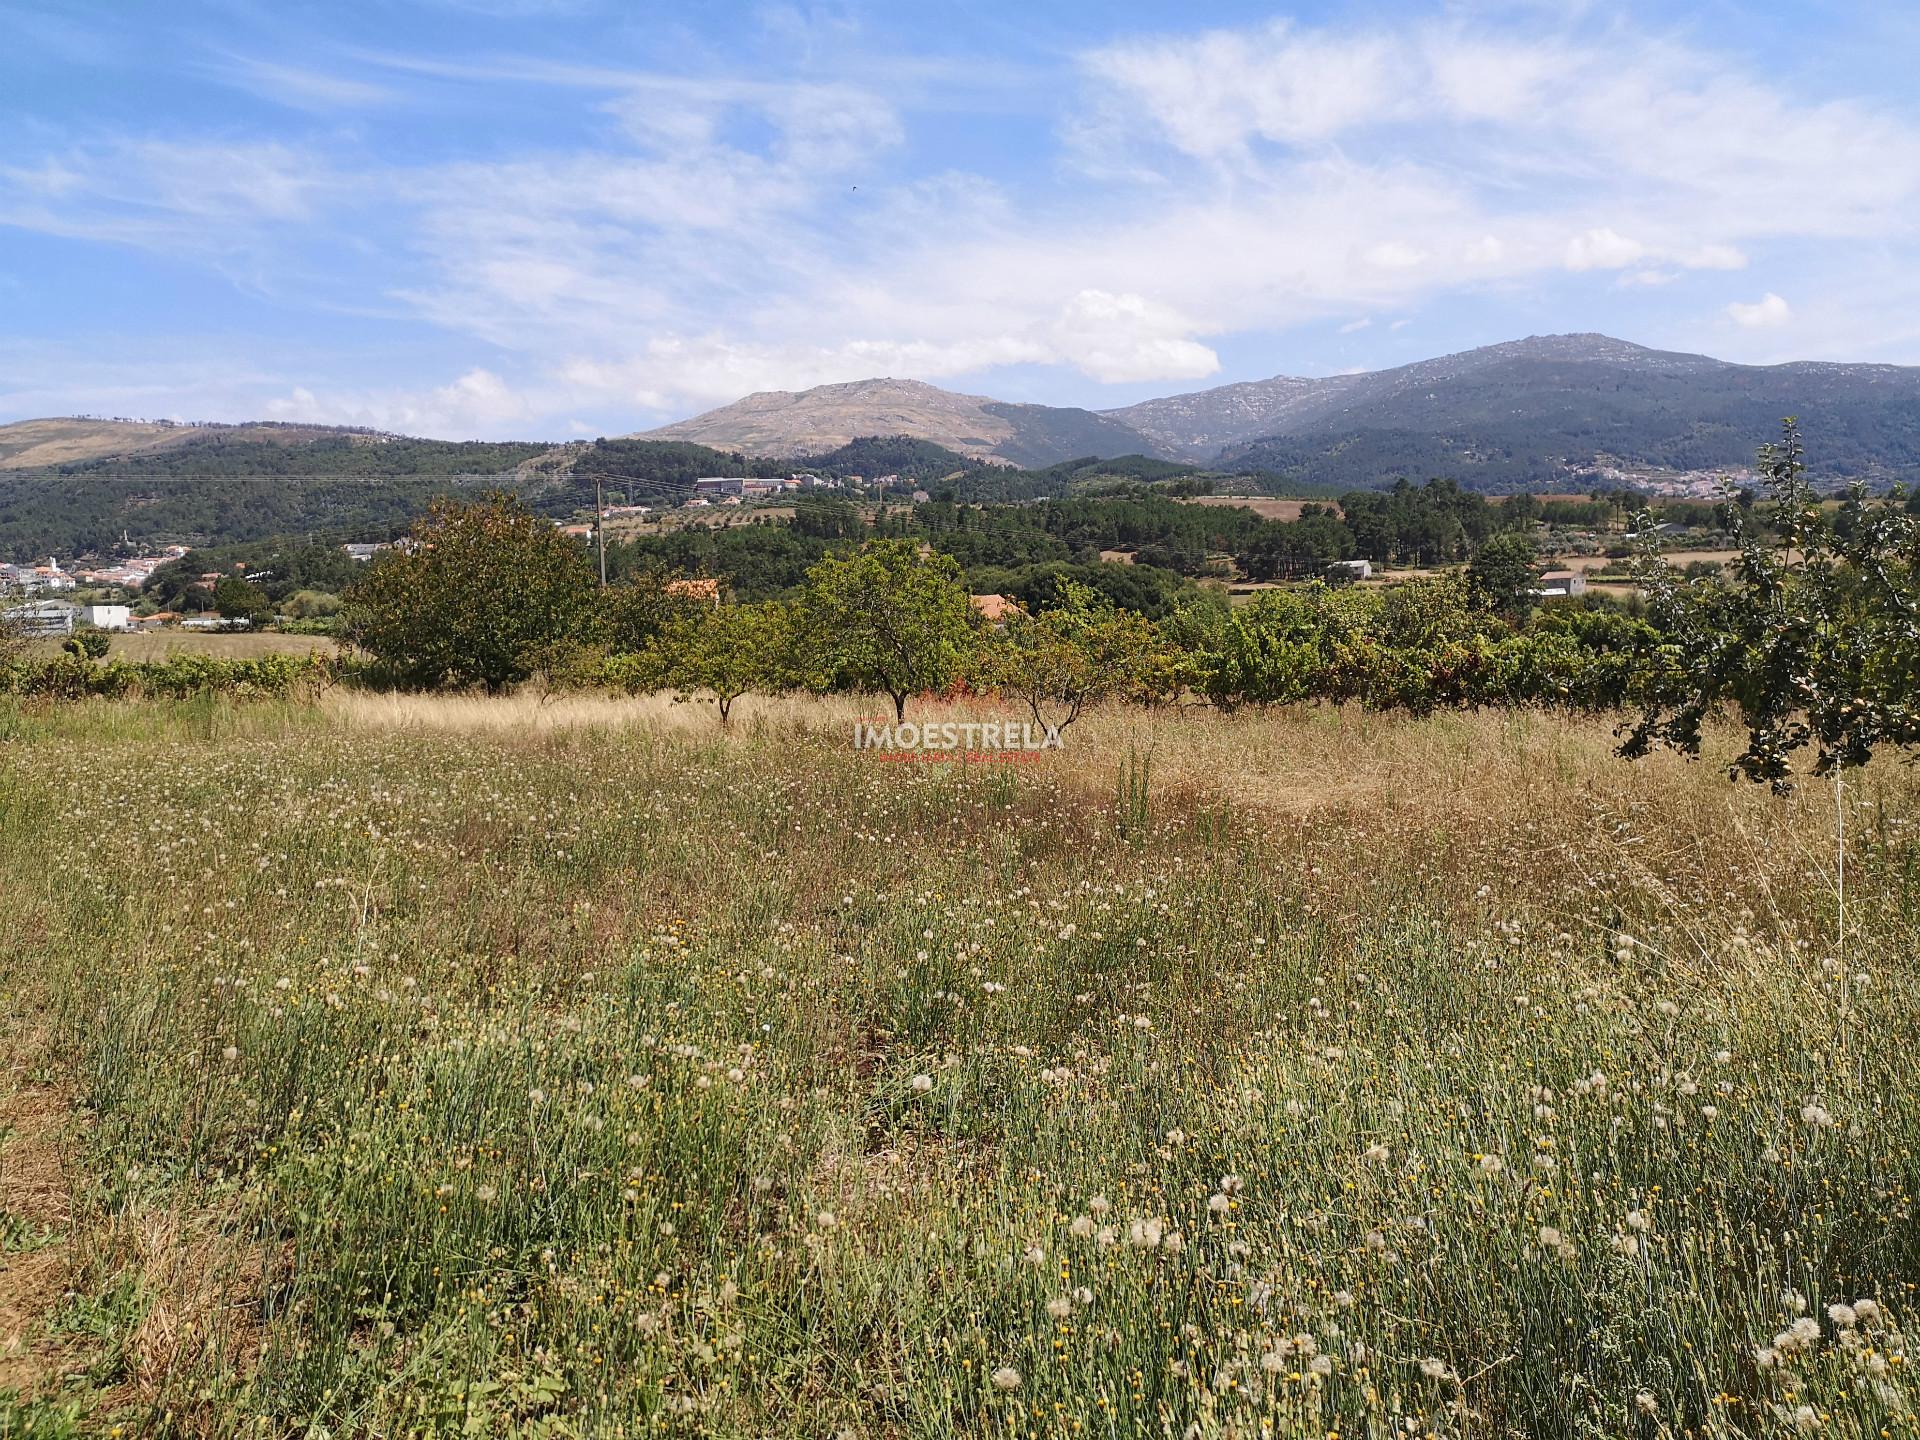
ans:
(398, 1065)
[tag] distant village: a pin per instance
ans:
(45, 613)
(33, 599)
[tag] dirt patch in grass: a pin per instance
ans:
(36, 1225)
(121, 1313)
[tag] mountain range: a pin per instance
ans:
(1547, 413)
(1541, 411)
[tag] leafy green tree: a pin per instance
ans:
(479, 594)
(1281, 648)
(238, 598)
(732, 650)
(1500, 575)
(887, 618)
(1062, 660)
(312, 605)
(1815, 641)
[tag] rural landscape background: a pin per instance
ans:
(884, 723)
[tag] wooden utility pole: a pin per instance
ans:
(600, 528)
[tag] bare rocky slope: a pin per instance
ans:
(812, 422)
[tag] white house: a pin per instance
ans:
(106, 617)
(1561, 583)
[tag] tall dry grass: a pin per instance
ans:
(581, 1067)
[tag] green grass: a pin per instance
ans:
(653, 1083)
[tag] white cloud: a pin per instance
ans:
(478, 404)
(1603, 249)
(1214, 93)
(1128, 337)
(705, 237)
(1765, 313)
(208, 197)
(1395, 255)
(1713, 257)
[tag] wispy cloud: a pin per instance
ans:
(299, 87)
(689, 233)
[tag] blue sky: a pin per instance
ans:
(551, 218)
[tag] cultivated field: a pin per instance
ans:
(417, 1066)
(159, 644)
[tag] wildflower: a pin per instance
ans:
(1866, 1311)
(1645, 1402)
(1377, 1153)
(232, 1052)
(1815, 1117)
(1320, 1365)
(1802, 1334)
(1637, 1220)
(485, 1192)
(1434, 1368)
(1035, 1256)
(1806, 1419)
(1006, 1378)
(1082, 1297)
(1491, 1164)
(1144, 1234)
(1060, 1307)
(1081, 1227)
(1842, 1314)
(921, 1084)
(1099, 1205)
(1550, 1237)
(1231, 1185)
(826, 1220)
(538, 1097)
(1217, 1204)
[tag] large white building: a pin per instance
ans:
(106, 617)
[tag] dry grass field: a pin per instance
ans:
(159, 644)
(1266, 507)
(456, 1066)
